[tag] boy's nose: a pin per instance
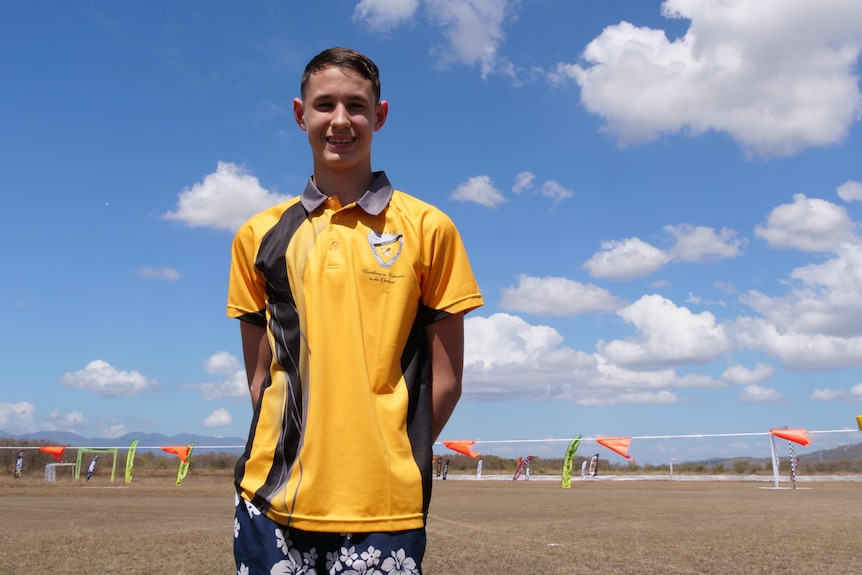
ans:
(340, 117)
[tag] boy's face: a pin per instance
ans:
(340, 116)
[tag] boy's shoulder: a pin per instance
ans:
(267, 218)
(408, 202)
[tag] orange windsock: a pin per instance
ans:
(618, 444)
(55, 450)
(462, 447)
(182, 451)
(799, 436)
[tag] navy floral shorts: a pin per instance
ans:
(263, 547)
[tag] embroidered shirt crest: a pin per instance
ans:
(386, 247)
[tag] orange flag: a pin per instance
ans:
(182, 451)
(617, 444)
(799, 436)
(55, 450)
(462, 447)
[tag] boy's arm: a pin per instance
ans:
(446, 339)
(257, 356)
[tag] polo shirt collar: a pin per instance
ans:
(372, 201)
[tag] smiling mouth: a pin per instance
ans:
(340, 141)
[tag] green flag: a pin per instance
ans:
(567, 461)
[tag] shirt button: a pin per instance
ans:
(335, 245)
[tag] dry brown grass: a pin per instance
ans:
(475, 528)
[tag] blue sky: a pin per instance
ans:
(661, 203)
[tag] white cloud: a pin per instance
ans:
(218, 418)
(822, 313)
(756, 394)
(506, 357)
(384, 14)
(162, 273)
(104, 379)
(474, 32)
(667, 335)
(854, 394)
(741, 375)
(479, 190)
(556, 296)
(17, 417)
(701, 243)
(626, 259)
(113, 431)
(798, 351)
(777, 76)
(523, 181)
(808, 224)
(633, 258)
(224, 200)
(850, 191)
(233, 381)
(552, 189)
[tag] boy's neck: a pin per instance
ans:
(348, 187)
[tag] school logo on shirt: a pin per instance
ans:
(386, 247)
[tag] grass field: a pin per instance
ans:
(475, 528)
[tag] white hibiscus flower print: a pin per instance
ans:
(291, 565)
(399, 564)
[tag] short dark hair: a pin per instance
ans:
(344, 58)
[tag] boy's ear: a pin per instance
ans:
(380, 114)
(299, 113)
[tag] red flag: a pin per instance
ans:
(462, 447)
(55, 450)
(182, 451)
(618, 444)
(799, 436)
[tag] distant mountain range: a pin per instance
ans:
(229, 444)
(840, 453)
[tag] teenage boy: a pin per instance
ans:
(351, 299)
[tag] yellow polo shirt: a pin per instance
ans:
(340, 440)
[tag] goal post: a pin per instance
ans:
(97, 450)
(51, 470)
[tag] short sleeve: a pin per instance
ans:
(246, 298)
(449, 286)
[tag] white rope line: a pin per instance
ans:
(484, 441)
(689, 436)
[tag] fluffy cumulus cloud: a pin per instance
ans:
(633, 258)
(103, 379)
(819, 322)
(850, 191)
(741, 375)
(777, 76)
(667, 335)
(232, 382)
(556, 296)
(218, 418)
(701, 243)
(224, 200)
(478, 190)
(506, 357)
(808, 224)
(626, 259)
